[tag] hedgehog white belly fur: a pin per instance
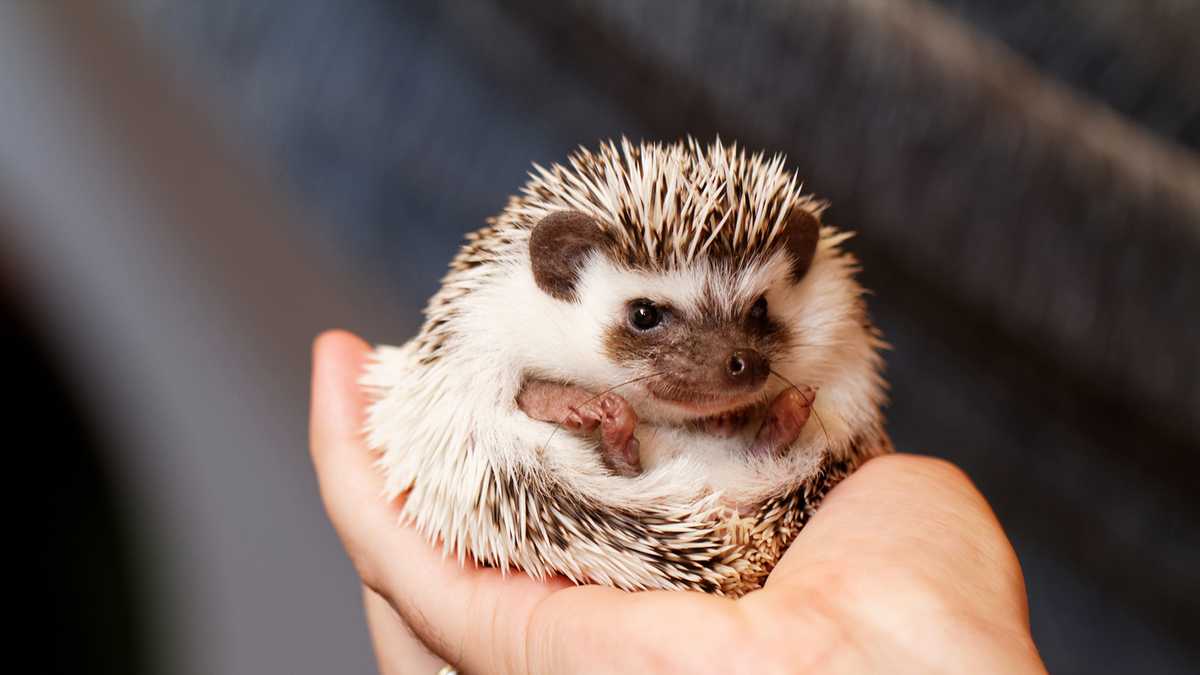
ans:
(700, 235)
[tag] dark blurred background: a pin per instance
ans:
(189, 191)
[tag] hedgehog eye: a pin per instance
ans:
(644, 315)
(758, 311)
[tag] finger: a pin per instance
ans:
(336, 407)
(398, 650)
(349, 485)
(477, 618)
(352, 488)
(446, 604)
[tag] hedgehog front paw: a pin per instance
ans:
(616, 435)
(579, 411)
(617, 421)
(786, 417)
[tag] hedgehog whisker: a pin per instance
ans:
(809, 401)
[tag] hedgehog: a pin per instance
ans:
(645, 372)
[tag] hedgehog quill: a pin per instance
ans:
(646, 372)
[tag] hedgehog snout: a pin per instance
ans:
(713, 372)
(746, 368)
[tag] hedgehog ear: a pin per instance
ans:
(558, 246)
(802, 229)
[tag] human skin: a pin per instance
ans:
(903, 569)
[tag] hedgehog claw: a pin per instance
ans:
(577, 420)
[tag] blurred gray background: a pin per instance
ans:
(190, 191)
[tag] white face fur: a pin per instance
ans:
(830, 345)
(822, 312)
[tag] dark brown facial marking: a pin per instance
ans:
(558, 246)
(803, 229)
(700, 357)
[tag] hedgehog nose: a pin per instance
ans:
(746, 368)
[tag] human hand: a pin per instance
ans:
(903, 569)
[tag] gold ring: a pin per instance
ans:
(447, 670)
